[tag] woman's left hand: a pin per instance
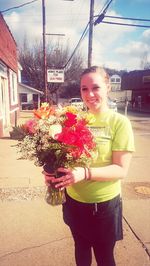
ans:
(70, 177)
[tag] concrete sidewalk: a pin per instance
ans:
(31, 231)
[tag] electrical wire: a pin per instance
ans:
(105, 9)
(78, 44)
(116, 17)
(86, 31)
(126, 24)
(15, 7)
(106, 5)
(102, 14)
(107, 22)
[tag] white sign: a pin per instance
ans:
(55, 75)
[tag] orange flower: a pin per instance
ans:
(45, 111)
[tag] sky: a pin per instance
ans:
(114, 46)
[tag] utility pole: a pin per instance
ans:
(44, 49)
(91, 22)
(44, 53)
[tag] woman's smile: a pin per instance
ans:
(94, 92)
(92, 101)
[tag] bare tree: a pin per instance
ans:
(144, 61)
(31, 60)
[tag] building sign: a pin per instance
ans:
(55, 75)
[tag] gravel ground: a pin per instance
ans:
(15, 194)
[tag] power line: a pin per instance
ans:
(102, 14)
(126, 24)
(105, 7)
(108, 4)
(78, 44)
(15, 7)
(138, 19)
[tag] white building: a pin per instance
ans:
(29, 97)
(115, 82)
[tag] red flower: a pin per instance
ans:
(70, 120)
(78, 136)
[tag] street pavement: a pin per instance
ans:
(33, 233)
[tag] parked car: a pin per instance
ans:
(112, 104)
(77, 102)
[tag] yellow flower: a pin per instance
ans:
(45, 105)
(71, 109)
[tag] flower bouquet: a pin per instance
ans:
(57, 137)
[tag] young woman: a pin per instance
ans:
(93, 208)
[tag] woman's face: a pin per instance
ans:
(94, 91)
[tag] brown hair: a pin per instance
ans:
(96, 69)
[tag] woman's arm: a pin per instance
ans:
(117, 170)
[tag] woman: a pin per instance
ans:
(93, 208)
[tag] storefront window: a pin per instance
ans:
(13, 88)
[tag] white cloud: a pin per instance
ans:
(146, 35)
(106, 38)
(113, 64)
(132, 54)
(133, 49)
(113, 46)
(13, 20)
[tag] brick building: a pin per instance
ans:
(139, 82)
(9, 105)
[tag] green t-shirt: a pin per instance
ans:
(113, 132)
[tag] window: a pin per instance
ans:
(146, 79)
(13, 87)
(35, 97)
(23, 97)
(3, 70)
(117, 79)
(112, 79)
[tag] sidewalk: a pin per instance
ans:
(32, 232)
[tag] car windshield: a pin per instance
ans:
(75, 100)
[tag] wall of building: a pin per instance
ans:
(135, 80)
(8, 51)
(139, 82)
(8, 91)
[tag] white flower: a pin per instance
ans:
(55, 129)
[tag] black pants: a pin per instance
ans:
(96, 226)
(83, 251)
